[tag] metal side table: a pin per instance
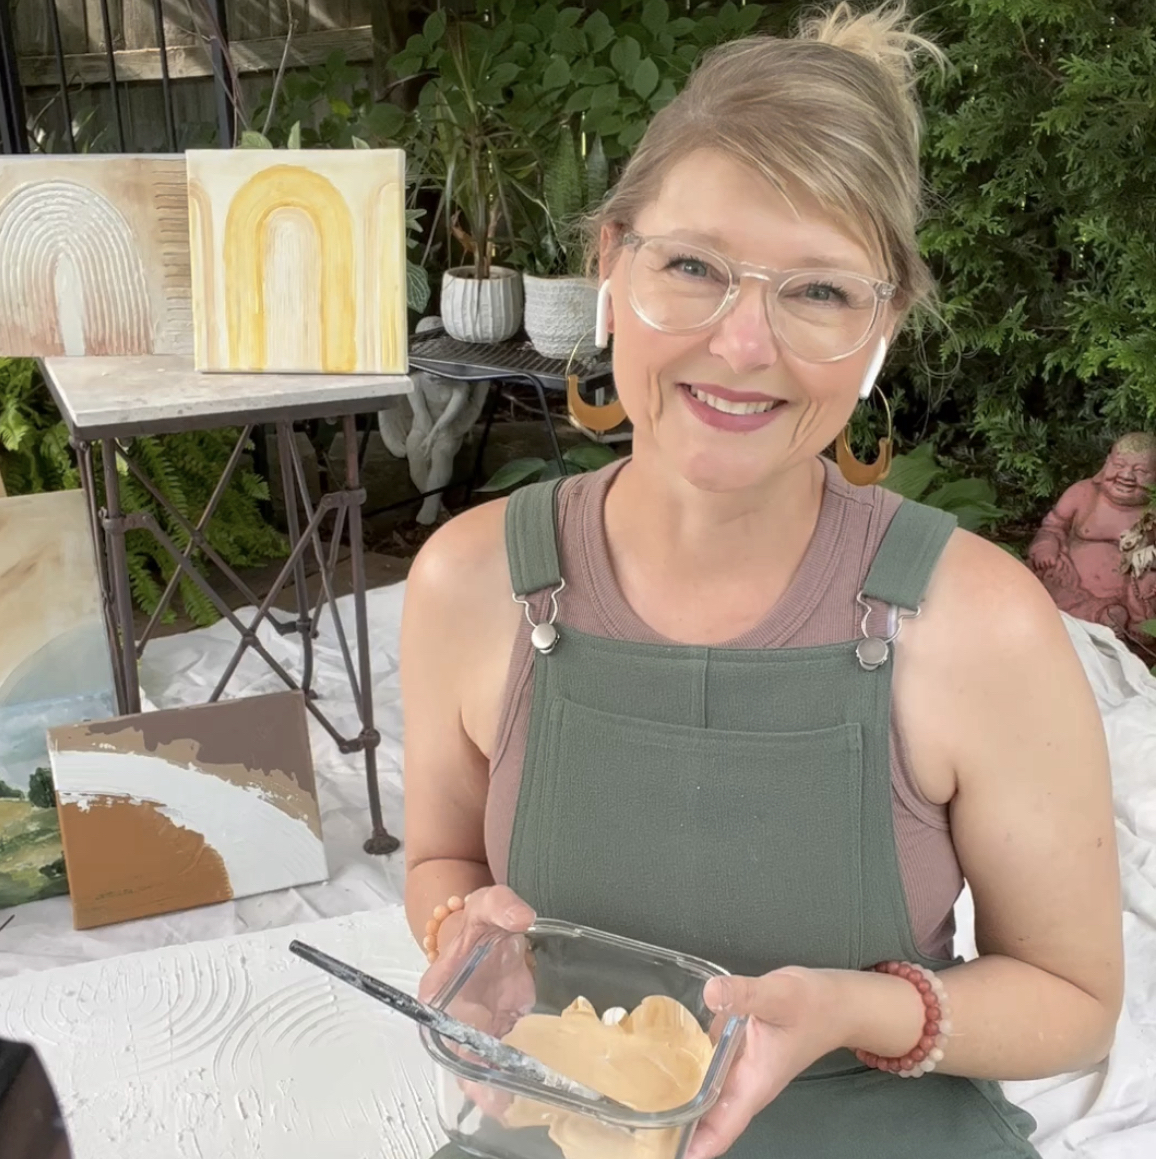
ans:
(502, 364)
(112, 400)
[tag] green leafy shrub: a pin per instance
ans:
(919, 475)
(34, 450)
(1041, 156)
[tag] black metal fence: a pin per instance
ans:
(164, 75)
(212, 23)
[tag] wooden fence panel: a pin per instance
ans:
(94, 25)
(248, 19)
(30, 26)
(73, 24)
(329, 14)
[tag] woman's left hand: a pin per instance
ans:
(793, 1021)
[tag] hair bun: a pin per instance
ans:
(885, 36)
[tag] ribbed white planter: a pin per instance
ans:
(481, 310)
(560, 316)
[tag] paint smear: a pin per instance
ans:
(259, 847)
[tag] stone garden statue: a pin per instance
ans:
(429, 426)
(1096, 549)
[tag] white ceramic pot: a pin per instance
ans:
(481, 310)
(560, 316)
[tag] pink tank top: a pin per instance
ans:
(817, 608)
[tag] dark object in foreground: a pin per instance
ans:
(31, 1126)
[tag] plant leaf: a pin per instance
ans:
(557, 74)
(599, 30)
(646, 78)
(294, 141)
(417, 290)
(655, 15)
(512, 473)
(251, 139)
(359, 142)
(912, 474)
(597, 172)
(589, 456)
(625, 56)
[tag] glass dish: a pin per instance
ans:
(543, 971)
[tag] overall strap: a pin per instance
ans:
(532, 538)
(906, 558)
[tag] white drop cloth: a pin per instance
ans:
(1108, 1112)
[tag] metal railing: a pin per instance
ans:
(14, 126)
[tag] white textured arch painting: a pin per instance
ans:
(298, 260)
(184, 807)
(94, 256)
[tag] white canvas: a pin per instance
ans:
(235, 1048)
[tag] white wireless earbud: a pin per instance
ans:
(602, 317)
(873, 369)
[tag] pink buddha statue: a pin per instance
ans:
(1096, 549)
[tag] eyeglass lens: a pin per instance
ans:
(818, 314)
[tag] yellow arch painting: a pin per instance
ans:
(245, 242)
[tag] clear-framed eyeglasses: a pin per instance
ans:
(820, 315)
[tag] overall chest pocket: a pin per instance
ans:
(742, 847)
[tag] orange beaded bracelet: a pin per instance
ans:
(430, 941)
(929, 1049)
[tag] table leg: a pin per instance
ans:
(99, 548)
(114, 539)
(380, 841)
(540, 390)
(491, 410)
(304, 617)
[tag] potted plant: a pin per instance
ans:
(560, 298)
(481, 163)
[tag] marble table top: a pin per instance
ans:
(154, 394)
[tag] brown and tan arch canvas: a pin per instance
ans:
(94, 256)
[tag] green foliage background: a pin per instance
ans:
(1040, 165)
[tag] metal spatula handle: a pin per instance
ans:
(514, 1062)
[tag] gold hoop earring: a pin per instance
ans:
(595, 419)
(860, 474)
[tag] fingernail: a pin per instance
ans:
(717, 995)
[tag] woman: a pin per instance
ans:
(714, 757)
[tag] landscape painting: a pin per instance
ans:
(54, 669)
(94, 256)
(298, 260)
(185, 807)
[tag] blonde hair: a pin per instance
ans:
(831, 111)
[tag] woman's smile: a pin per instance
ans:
(739, 412)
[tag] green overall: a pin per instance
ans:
(736, 804)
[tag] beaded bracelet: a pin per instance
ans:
(936, 1027)
(430, 942)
